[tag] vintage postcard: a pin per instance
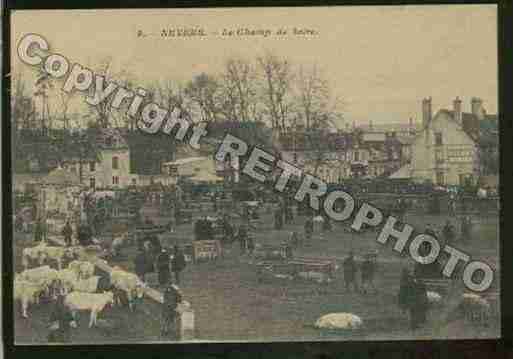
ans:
(255, 174)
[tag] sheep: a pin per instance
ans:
(94, 302)
(43, 276)
(57, 254)
(433, 298)
(33, 253)
(27, 293)
(347, 321)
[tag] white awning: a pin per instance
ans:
(402, 173)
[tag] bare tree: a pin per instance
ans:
(277, 95)
(239, 89)
(320, 112)
(205, 91)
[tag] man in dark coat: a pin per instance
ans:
(250, 244)
(67, 231)
(368, 270)
(430, 231)
(466, 225)
(178, 263)
(164, 273)
(242, 237)
(62, 318)
(172, 296)
(350, 272)
(326, 224)
(278, 219)
(418, 309)
(405, 290)
(38, 233)
(448, 232)
(309, 228)
(140, 264)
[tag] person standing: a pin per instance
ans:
(466, 225)
(294, 239)
(326, 224)
(278, 219)
(172, 296)
(67, 232)
(140, 264)
(62, 320)
(368, 270)
(309, 228)
(163, 271)
(178, 263)
(350, 272)
(448, 232)
(405, 290)
(38, 233)
(250, 244)
(419, 305)
(242, 237)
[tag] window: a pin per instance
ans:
(115, 180)
(295, 157)
(115, 163)
(438, 139)
(440, 178)
(356, 156)
(134, 181)
(439, 158)
(92, 166)
(92, 183)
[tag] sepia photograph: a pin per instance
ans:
(256, 174)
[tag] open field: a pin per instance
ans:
(230, 305)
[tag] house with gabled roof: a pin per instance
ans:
(449, 149)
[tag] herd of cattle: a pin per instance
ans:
(83, 290)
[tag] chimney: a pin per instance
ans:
(457, 109)
(477, 107)
(426, 111)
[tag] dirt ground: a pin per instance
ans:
(230, 304)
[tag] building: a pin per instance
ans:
(448, 149)
(200, 169)
(108, 167)
(341, 155)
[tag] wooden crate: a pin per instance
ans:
(269, 252)
(441, 286)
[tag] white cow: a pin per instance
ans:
(89, 285)
(27, 293)
(93, 302)
(43, 276)
(33, 253)
(84, 269)
(339, 321)
(57, 254)
(129, 283)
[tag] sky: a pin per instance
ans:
(380, 60)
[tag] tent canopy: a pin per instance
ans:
(206, 177)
